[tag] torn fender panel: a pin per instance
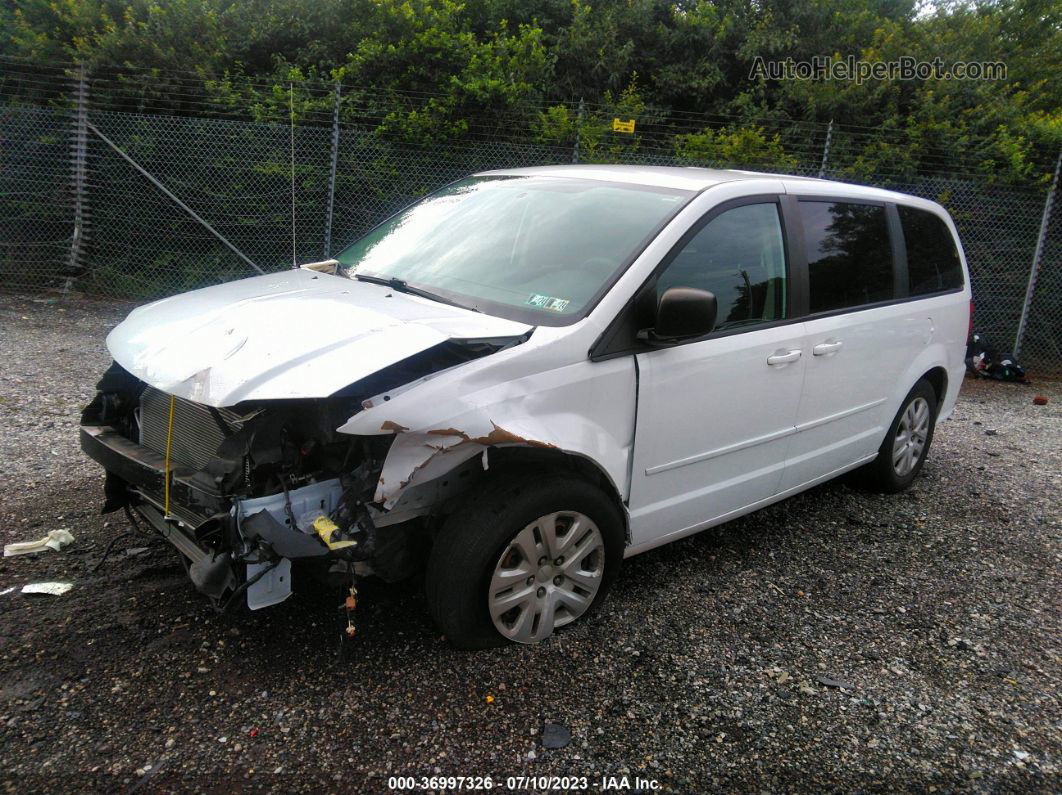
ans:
(295, 334)
(421, 457)
(418, 458)
(587, 409)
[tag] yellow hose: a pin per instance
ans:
(166, 474)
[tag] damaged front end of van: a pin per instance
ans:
(219, 427)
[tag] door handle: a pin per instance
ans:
(783, 357)
(826, 348)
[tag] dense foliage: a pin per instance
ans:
(421, 70)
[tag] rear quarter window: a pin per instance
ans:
(932, 259)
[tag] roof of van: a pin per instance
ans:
(696, 179)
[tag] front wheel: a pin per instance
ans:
(906, 445)
(531, 555)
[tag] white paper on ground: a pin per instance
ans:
(50, 588)
(54, 540)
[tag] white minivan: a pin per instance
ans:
(529, 375)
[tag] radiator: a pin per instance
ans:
(197, 429)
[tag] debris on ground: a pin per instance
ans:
(54, 541)
(555, 736)
(829, 681)
(1040, 400)
(47, 588)
(985, 361)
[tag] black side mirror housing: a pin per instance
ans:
(684, 313)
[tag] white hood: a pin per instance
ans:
(293, 334)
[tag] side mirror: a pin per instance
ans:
(684, 312)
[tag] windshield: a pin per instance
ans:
(535, 249)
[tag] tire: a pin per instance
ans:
(889, 472)
(477, 557)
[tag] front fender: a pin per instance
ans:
(585, 409)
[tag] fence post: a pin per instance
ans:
(332, 173)
(578, 131)
(78, 164)
(826, 150)
(1034, 269)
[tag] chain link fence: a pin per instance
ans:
(36, 215)
(170, 203)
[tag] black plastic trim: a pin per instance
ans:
(798, 261)
(134, 464)
(834, 198)
(900, 278)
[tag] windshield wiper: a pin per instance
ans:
(405, 287)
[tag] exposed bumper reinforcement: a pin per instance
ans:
(144, 470)
(184, 543)
(134, 464)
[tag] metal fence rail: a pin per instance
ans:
(141, 205)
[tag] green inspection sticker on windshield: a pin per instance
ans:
(547, 302)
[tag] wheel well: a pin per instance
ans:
(938, 379)
(536, 460)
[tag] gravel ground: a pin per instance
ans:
(837, 641)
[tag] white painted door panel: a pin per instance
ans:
(714, 424)
(854, 362)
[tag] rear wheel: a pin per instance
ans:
(906, 445)
(531, 555)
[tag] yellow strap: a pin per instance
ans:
(169, 437)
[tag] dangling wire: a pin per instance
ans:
(135, 529)
(107, 552)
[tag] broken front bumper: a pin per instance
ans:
(233, 545)
(144, 470)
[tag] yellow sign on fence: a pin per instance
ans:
(623, 126)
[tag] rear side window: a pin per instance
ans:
(932, 258)
(849, 255)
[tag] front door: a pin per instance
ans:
(715, 415)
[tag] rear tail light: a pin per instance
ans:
(969, 331)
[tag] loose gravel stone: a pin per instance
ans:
(555, 736)
(702, 671)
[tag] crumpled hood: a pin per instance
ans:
(293, 334)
